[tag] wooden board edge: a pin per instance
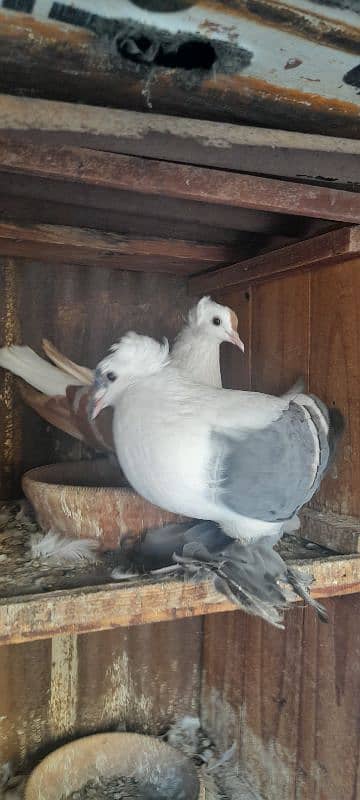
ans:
(316, 251)
(110, 606)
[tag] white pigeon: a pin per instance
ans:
(196, 350)
(243, 460)
(59, 392)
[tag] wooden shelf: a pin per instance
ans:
(40, 599)
(141, 601)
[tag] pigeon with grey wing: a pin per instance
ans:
(245, 461)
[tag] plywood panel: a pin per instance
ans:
(235, 366)
(82, 311)
(290, 699)
(250, 694)
(53, 690)
(335, 374)
(280, 333)
(328, 760)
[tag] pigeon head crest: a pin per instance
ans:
(133, 358)
(215, 321)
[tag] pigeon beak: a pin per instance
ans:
(97, 403)
(234, 338)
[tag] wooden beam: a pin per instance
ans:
(139, 602)
(90, 247)
(60, 62)
(318, 251)
(167, 179)
(306, 157)
(335, 531)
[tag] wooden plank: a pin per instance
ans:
(317, 251)
(72, 685)
(290, 700)
(109, 606)
(250, 696)
(339, 533)
(145, 176)
(280, 333)
(289, 154)
(335, 376)
(84, 246)
(327, 761)
(59, 62)
(26, 211)
(160, 208)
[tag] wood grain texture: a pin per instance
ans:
(21, 209)
(138, 602)
(87, 247)
(73, 685)
(217, 145)
(312, 252)
(337, 532)
(280, 333)
(289, 699)
(134, 204)
(179, 181)
(335, 375)
(35, 60)
(83, 311)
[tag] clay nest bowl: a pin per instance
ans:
(90, 500)
(111, 755)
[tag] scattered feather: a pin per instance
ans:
(119, 574)
(59, 548)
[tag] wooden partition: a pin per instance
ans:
(291, 699)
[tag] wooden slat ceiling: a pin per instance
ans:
(69, 193)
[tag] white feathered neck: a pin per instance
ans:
(198, 356)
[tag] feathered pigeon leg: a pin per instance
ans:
(254, 576)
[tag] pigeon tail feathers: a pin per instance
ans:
(38, 373)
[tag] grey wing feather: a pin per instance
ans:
(269, 474)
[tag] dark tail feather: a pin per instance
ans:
(253, 576)
(336, 429)
(300, 584)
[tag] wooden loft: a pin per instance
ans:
(159, 193)
(222, 208)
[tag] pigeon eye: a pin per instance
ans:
(216, 321)
(111, 376)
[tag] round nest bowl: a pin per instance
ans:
(112, 755)
(90, 500)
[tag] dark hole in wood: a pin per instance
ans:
(163, 5)
(352, 78)
(193, 54)
(189, 55)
